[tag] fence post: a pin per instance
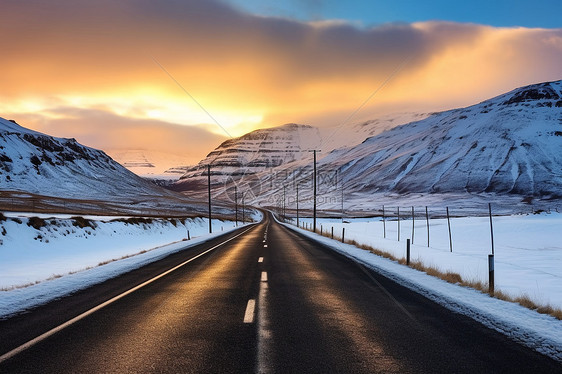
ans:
(491, 226)
(321, 230)
(332, 232)
(343, 234)
(398, 215)
(383, 223)
(427, 224)
(408, 252)
(188, 235)
(449, 225)
(413, 224)
(491, 274)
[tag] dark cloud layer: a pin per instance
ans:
(97, 57)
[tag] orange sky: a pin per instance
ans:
(88, 70)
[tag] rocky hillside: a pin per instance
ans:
(251, 154)
(40, 164)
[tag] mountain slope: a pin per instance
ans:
(508, 145)
(250, 154)
(40, 164)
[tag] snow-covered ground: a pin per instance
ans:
(540, 332)
(528, 250)
(44, 263)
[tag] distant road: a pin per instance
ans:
(268, 300)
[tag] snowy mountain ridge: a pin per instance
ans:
(253, 153)
(505, 146)
(508, 144)
(37, 163)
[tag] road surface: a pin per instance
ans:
(267, 300)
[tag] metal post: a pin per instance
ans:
(413, 224)
(491, 226)
(449, 225)
(407, 251)
(427, 224)
(343, 234)
(491, 279)
(332, 232)
(188, 236)
(383, 223)
(209, 191)
(398, 215)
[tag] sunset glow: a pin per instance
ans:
(136, 69)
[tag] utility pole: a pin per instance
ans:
(284, 204)
(209, 192)
(297, 204)
(314, 229)
(236, 205)
(342, 211)
(243, 210)
(314, 182)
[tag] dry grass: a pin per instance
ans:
(455, 278)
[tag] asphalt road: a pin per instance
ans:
(268, 300)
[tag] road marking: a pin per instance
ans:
(264, 276)
(265, 245)
(265, 335)
(250, 311)
(264, 240)
(54, 330)
(260, 259)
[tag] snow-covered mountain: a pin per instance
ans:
(510, 144)
(40, 164)
(241, 160)
(251, 154)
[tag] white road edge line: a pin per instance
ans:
(250, 311)
(54, 330)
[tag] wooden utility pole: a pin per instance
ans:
(314, 210)
(236, 205)
(298, 205)
(209, 193)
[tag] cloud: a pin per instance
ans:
(105, 130)
(247, 71)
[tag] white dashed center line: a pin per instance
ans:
(263, 276)
(250, 311)
(260, 259)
